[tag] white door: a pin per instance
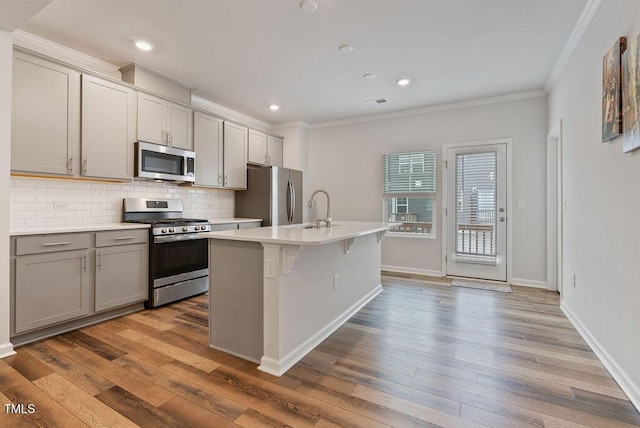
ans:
(476, 211)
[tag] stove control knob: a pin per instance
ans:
(185, 229)
(163, 230)
(196, 228)
(171, 230)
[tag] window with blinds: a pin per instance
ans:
(410, 190)
(476, 187)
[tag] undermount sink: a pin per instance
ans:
(313, 226)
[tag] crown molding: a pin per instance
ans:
(51, 49)
(295, 124)
(230, 114)
(578, 31)
(434, 109)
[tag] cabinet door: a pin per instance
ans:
(108, 128)
(257, 147)
(50, 288)
(45, 123)
(121, 275)
(207, 139)
(235, 156)
(274, 150)
(180, 126)
(151, 119)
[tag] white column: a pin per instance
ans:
(6, 60)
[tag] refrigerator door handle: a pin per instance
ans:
(293, 197)
(289, 201)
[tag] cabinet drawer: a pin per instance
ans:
(51, 243)
(251, 225)
(122, 237)
(228, 226)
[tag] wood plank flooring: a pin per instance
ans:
(420, 354)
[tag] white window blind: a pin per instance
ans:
(476, 185)
(409, 174)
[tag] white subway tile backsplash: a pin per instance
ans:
(40, 202)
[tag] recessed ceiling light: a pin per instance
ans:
(143, 46)
(345, 48)
(369, 76)
(403, 82)
(308, 6)
(274, 107)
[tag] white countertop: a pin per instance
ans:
(80, 228)
(298, 235)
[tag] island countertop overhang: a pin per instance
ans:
(297, 234)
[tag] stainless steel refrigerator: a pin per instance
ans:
(273, 194)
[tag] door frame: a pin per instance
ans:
(446, 195)
(555, 208)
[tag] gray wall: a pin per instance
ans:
(601, 233)
(346, 160)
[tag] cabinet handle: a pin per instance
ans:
(123, 238)
(70, 164)
(220, 179)
(84, 166)
(84, 262)
(99, 261)
(170, 138)
(56, 244)
(225, 181)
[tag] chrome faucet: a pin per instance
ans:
(327, 219)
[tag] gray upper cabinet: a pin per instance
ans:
(207, 141)
(45, 116)
(257, 147)
(163, 122)
(108, 128)
(264, 149)
(235, 155)
(274, 150)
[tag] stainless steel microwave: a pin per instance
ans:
(156, 162)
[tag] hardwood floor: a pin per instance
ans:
(420, 354)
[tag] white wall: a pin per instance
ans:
(346, 160)
(6, 58)
(601, 233)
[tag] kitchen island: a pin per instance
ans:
(277, 292)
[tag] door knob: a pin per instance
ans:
(501, 218)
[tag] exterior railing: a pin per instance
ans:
(475, 238)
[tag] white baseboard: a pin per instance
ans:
(621, 377)
(278, 367)
(529, 283)
(6, 350)
(401, 269)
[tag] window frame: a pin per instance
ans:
(408, 163)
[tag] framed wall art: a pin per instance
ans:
(612, 91)
(630, 97)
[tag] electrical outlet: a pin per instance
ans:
(336, 281)
(270, 268)
(60, 205)
(573, 280)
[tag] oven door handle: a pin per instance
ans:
(176, 238)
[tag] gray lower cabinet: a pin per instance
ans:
(121, 270)
(51, 286)
(59, 278)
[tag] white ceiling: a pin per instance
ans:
(246, 54)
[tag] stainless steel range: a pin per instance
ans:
(178, 254)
